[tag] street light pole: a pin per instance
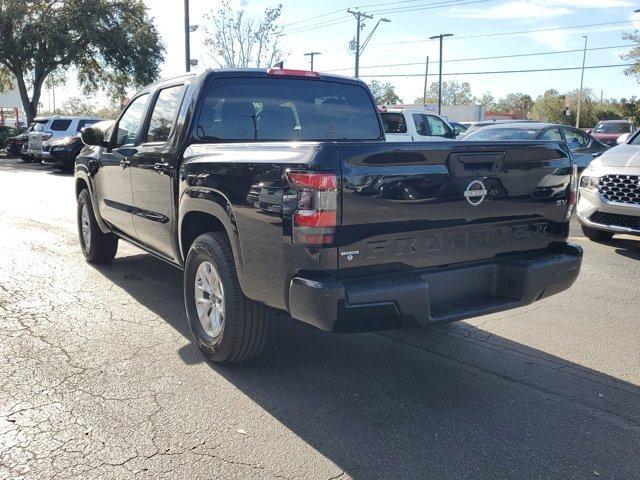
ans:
(187, 46)
(584, 58)
(440, 37)
(426, 75)
(359, 16)
(312, 54)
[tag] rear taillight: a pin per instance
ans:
(573, 192)
(47, 136)
(316, 215)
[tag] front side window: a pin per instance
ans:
(130, 122)
(287, 109)
(393, 122)
(575, 139)
(437, 126)
(85, 123)
(164, 112)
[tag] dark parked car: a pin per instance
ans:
(583, 146)
(608, 131)
(11, 139)
(275, 190)
(63, 152)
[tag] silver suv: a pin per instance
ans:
(47, 129)
(609, 201)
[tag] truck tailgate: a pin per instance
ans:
(417, 205)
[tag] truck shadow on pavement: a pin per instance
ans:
(445, 402)
(626, 247)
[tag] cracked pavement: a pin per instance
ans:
(98, 378)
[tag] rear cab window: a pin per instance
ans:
(286, 109)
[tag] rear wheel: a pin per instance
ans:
(226, 326)
(97, 247)
(596, 235)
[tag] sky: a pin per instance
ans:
(326, 27)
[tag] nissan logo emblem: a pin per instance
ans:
(475, 193)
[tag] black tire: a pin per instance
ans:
(245, 324)
(101, 247)
(596, 235)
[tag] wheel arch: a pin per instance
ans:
(204, 212)
(83, 182)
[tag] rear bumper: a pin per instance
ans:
(431, 296)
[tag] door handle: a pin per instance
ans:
(162, 168)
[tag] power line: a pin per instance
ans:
(496, 57)
(495, 72)
(427, 6)
(483, 35)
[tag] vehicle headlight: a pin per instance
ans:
(590, 183)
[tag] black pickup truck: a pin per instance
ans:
(275, 191)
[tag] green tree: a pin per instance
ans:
(515, 102)
(239, 41)
(77, 106)
(633, 54)
(630, 108)
(112, 44)
(6, 82)
(549, 107)
(488, 101)
(384, 93)
(453, 93)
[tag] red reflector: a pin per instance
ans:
(315, 239)
(316, 181)
(288, 72)
(315, 219)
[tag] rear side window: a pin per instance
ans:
(551, 134)
(164, 112)
(394, 123)
(60, 125)
(422, 124)
(287, 109)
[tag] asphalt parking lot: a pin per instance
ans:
(99, 379)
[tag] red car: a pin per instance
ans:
(608, 131)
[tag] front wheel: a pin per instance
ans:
(97, 247)
(226, 326)
(596, 235)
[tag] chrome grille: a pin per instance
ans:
(620, 188)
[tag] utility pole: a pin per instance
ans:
(359, 16)
(312, 54)
(426, 75)
(584, 58)
(187, 46)
(441, 36)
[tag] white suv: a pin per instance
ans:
(609, 200)
(54, 128)
(415, 125)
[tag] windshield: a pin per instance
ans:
(393, 123)
(287, 109)
(495, 134)
(613, 128)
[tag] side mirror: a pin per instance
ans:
(92, 136)
(623, 138)
(456, 131)
(589, 131)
